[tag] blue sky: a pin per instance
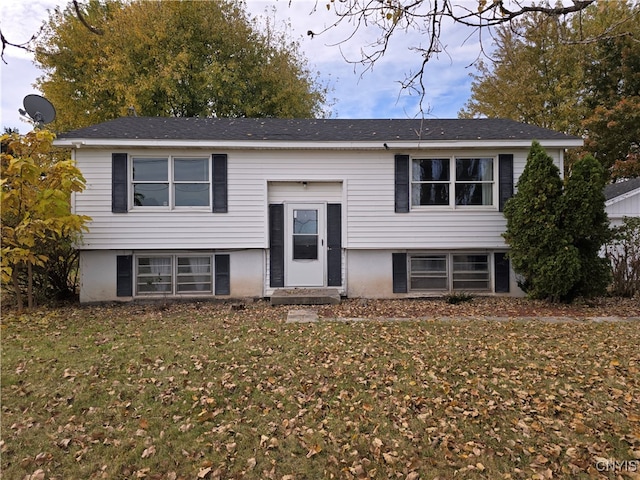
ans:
(354, 93)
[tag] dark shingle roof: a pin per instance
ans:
(620, 188)
(219, 129)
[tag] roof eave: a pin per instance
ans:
(314, 145)
(621, 197)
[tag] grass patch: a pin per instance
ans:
(205, 391)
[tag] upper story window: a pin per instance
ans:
(454, 182)
(171, 182)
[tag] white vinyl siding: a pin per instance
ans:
(299, 192)
(367, 196)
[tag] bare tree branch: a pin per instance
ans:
(426, 17)
(83, 20)
(23, 46)
(27, 46)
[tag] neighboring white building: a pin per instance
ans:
(622, 200)
(193, 207)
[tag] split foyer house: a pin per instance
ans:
(212, 207)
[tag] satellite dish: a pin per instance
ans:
(39, 109)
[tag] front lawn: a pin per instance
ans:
(209, 391)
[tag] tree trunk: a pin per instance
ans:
(29, 285)
(16, 287)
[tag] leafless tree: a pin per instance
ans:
(426, 17)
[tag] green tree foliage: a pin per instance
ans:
(37, 222)
(533, 77)
(612, 84)
(556, 231)
(541, 253)
(579, 75)
(614, 136)
(171, 58)
(583, 217)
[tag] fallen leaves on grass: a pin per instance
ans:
(479, 307)
(203, 391)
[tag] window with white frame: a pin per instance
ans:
(171, 182)
(454, 182)
(449, 272)
(174, 274)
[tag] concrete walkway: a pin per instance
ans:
(310, 316)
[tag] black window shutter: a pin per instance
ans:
(223, 274)
(119, 183)
(399, 261)
(334, 244)
(505, 175)
(501, 272)
(219, 183)
(124, 275)
(402, 183)
(276, 245)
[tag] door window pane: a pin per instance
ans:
(305, 247)
(305, 222)
(305, 234)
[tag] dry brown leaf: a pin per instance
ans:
(314, 450)
(148, 452)
(203, 472)
(37, 475)
(390, 458)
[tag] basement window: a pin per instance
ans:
(444, 272)
(174, 274)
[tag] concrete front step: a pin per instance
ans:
(305, 296)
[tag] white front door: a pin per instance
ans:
(305, 250)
